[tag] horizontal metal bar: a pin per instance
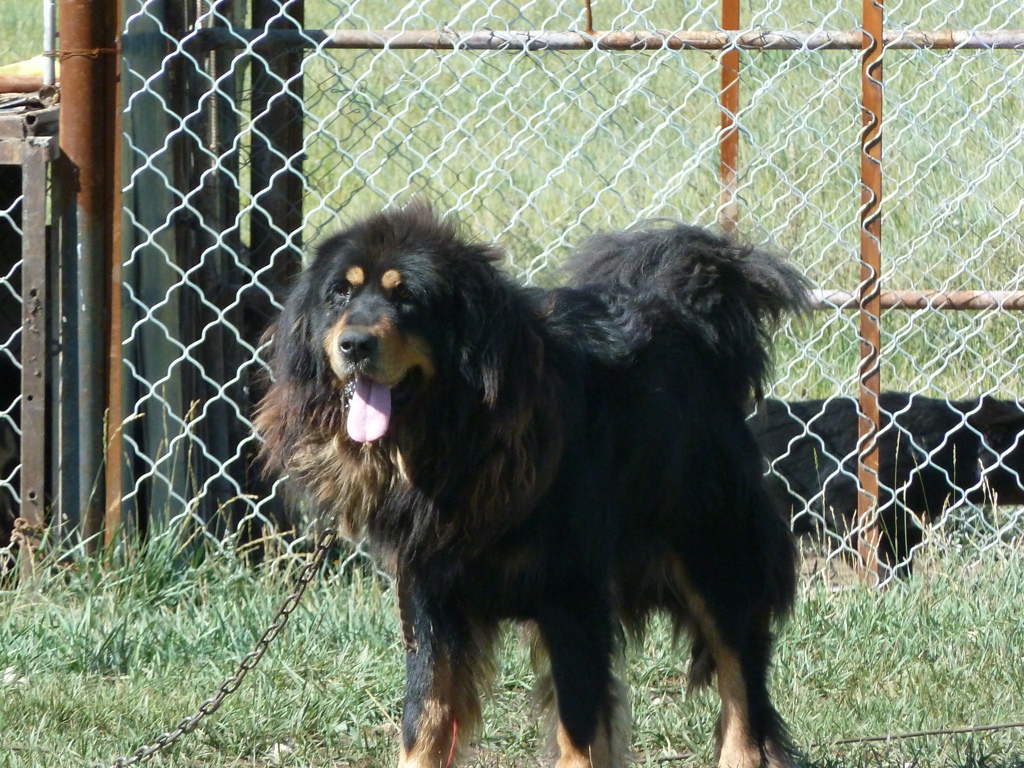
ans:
(618, 40)
(966, 300)
(12, 152)
(20, 151)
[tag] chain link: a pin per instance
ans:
(502, 140)
(232, 683)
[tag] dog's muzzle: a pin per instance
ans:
(357, 345)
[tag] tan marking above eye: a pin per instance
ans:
(355, 276)
(391, 279)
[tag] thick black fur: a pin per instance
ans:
(932, 454)
(574, 458)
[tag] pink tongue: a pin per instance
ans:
(369, 411)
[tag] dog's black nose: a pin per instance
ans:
(357, 345)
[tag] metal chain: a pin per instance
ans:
(232, 683)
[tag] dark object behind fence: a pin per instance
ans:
(933, 453)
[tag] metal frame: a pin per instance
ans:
(616, 40)
(274, 157)
(33, 154)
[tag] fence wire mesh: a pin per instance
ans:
(241, 153)
(10, 370)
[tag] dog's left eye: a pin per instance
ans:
(403, 294)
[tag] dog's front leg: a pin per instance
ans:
(444, 656)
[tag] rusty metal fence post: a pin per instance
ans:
(870, 290)
(88, 54)
(729, 138)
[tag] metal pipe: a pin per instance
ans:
(112, 518)
(87, 40)
(616, 40)
(947, 300)
(729, 136)
(49, 75)
(870, 292)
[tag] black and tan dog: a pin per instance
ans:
(574, 459)
(933, 453)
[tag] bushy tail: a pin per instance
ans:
(665, 278)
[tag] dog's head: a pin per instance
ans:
(376, 321)
(393, 305)
(1001, 426)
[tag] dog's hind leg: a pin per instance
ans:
(590, 702)
(750, 732)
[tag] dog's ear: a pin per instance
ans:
(501, 354)
(293, 348)
(996, 414)
(511, 366)
(296, 380)
(1000, 422)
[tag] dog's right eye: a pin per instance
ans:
(340, 292)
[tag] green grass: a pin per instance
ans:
(538, 150)
(21, 30)
(95, 662)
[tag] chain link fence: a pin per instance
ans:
(26, 148)
(249, 133)
(10, 358)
